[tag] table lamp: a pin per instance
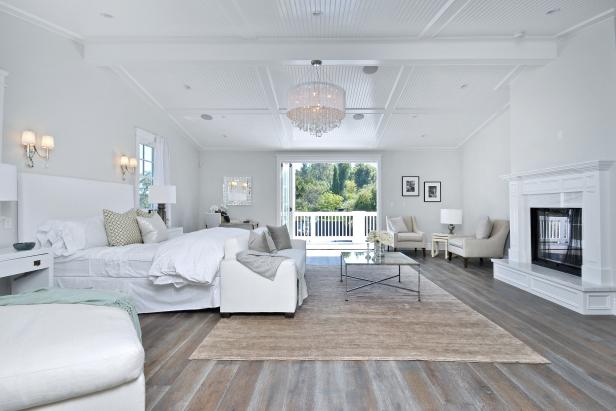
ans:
(451, 217)
(162, 195)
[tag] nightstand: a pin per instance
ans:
(173, 232)
(27, 270)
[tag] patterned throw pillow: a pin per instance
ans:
(122, 229)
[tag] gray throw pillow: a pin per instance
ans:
(281, 237)
(122, 229)
(484, 228)
(258, 242)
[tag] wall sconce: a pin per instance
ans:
(28, 140)
(127, 165)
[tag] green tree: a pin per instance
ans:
(344, 171)
(335, 186)
(364, 174)
(366, 199)
(330, 202)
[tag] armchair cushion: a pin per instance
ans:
(410, 236)
(484, 228)
(397, 225)
(456, 242)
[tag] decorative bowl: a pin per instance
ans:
(23, 246)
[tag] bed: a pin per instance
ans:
(128, 268)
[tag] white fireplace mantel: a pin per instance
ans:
(584, 185)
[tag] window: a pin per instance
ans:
(146, 173)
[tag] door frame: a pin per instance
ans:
(327, 157)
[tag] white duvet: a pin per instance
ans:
(193, 258)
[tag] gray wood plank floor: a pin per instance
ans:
(581, 376)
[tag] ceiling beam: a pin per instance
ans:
(365, 52)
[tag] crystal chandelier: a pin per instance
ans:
(316, 107)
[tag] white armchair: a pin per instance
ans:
(244, 291)
(412, 238)
(471, 247)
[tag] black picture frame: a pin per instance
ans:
(410, 186)
(432, 191)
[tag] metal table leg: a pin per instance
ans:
(346, 283)
(340, 267)
(399, 269)
(419, 283)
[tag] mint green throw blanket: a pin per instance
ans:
(75, 296)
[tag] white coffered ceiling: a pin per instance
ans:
(444, 65)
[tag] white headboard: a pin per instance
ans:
(42, 197)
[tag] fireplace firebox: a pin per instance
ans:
(556, 238)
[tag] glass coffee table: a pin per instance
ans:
(368, 258)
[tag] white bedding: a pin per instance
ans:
(193, 258)
(130, 261)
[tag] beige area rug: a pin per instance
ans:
(377, 323)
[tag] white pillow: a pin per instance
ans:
(63, 237)
(484, 228)
(96, 236)
(397, 225)
(153, 229)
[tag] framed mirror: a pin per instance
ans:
(237, 191)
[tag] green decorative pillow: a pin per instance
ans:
(122, 229)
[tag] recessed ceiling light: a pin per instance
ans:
(206, 117)
(358, 116)
(463, 86)
(224, 136)
(370, 69)
(107, 15)
(519, 35)
(187, 87)
(553, 11)
(316, 12)
(423, 136)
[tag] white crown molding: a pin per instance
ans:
(586, 166)
(586, 23)
(483, 125)
(132, 82)
(40, 22)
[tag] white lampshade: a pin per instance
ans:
(162, 195)
(124, 161)
(28, 138)
(451, 216)
(132, 162)
(47, 142)
(8, 182)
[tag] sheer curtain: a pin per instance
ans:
(162, 167)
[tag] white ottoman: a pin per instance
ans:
(70, 357)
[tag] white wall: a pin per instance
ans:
(485, 158)
(260, 165)
(565, 112)
(438, 165)
(90, 111)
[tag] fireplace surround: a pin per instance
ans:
(588, 284)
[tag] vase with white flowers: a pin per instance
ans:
(380, 240)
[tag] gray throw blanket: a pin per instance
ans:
(264, 264)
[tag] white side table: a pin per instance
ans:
(440, 238)
(27, 270)
(173, 232)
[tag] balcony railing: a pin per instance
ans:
(334, 226)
